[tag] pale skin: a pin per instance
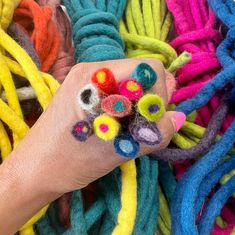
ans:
(49, 161)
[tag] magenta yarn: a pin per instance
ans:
(197, 32)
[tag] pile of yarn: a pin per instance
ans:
(190, 181)
(114, 109)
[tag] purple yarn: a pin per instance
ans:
(205, 143)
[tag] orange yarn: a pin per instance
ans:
(37, 21)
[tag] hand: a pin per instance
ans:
(50, 161)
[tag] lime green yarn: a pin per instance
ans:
(145, 30)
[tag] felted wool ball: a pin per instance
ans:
(106, 127)
(88, 98)
(116, 105)
(126, 146)
(151, 107)
(82, 130)
(145, 132)
(131, 89)
(144, 74)
(105, 81)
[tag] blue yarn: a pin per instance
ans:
(185, 196)
(211, 180)
(208, 91)
(215, 206)
(144, 74)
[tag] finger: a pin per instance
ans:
(168, 125)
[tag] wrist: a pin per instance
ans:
(19, 196)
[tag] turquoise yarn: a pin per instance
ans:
(96, 38)
(95, 29)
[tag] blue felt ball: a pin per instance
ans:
(144, 74)
(126, 146)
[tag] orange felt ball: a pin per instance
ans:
(105, 81)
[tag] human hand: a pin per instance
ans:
(50, 161)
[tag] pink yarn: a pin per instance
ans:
(197, 33)
(65, 59)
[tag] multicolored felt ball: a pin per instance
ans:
(105, 81)
(131, 89)
(116, 106)
(144, 74)
(151, 107)
(106, 127)
(126, 146)
(88, 98)
(82, 130)
(145, 132)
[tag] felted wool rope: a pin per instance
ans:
(37, 21)
(23, 39)
(65, 59)
(217, 152)
(145, 30)
(11, 113)
(204, 144)
(200, 39)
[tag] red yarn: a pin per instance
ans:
(37, 21)
(107, 83)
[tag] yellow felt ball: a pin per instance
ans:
(106, 127)
(151, 107)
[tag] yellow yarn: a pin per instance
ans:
(127, 214)
(112, 125)
(10, 113)
(145, 102)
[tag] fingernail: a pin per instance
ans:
(180, 119)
